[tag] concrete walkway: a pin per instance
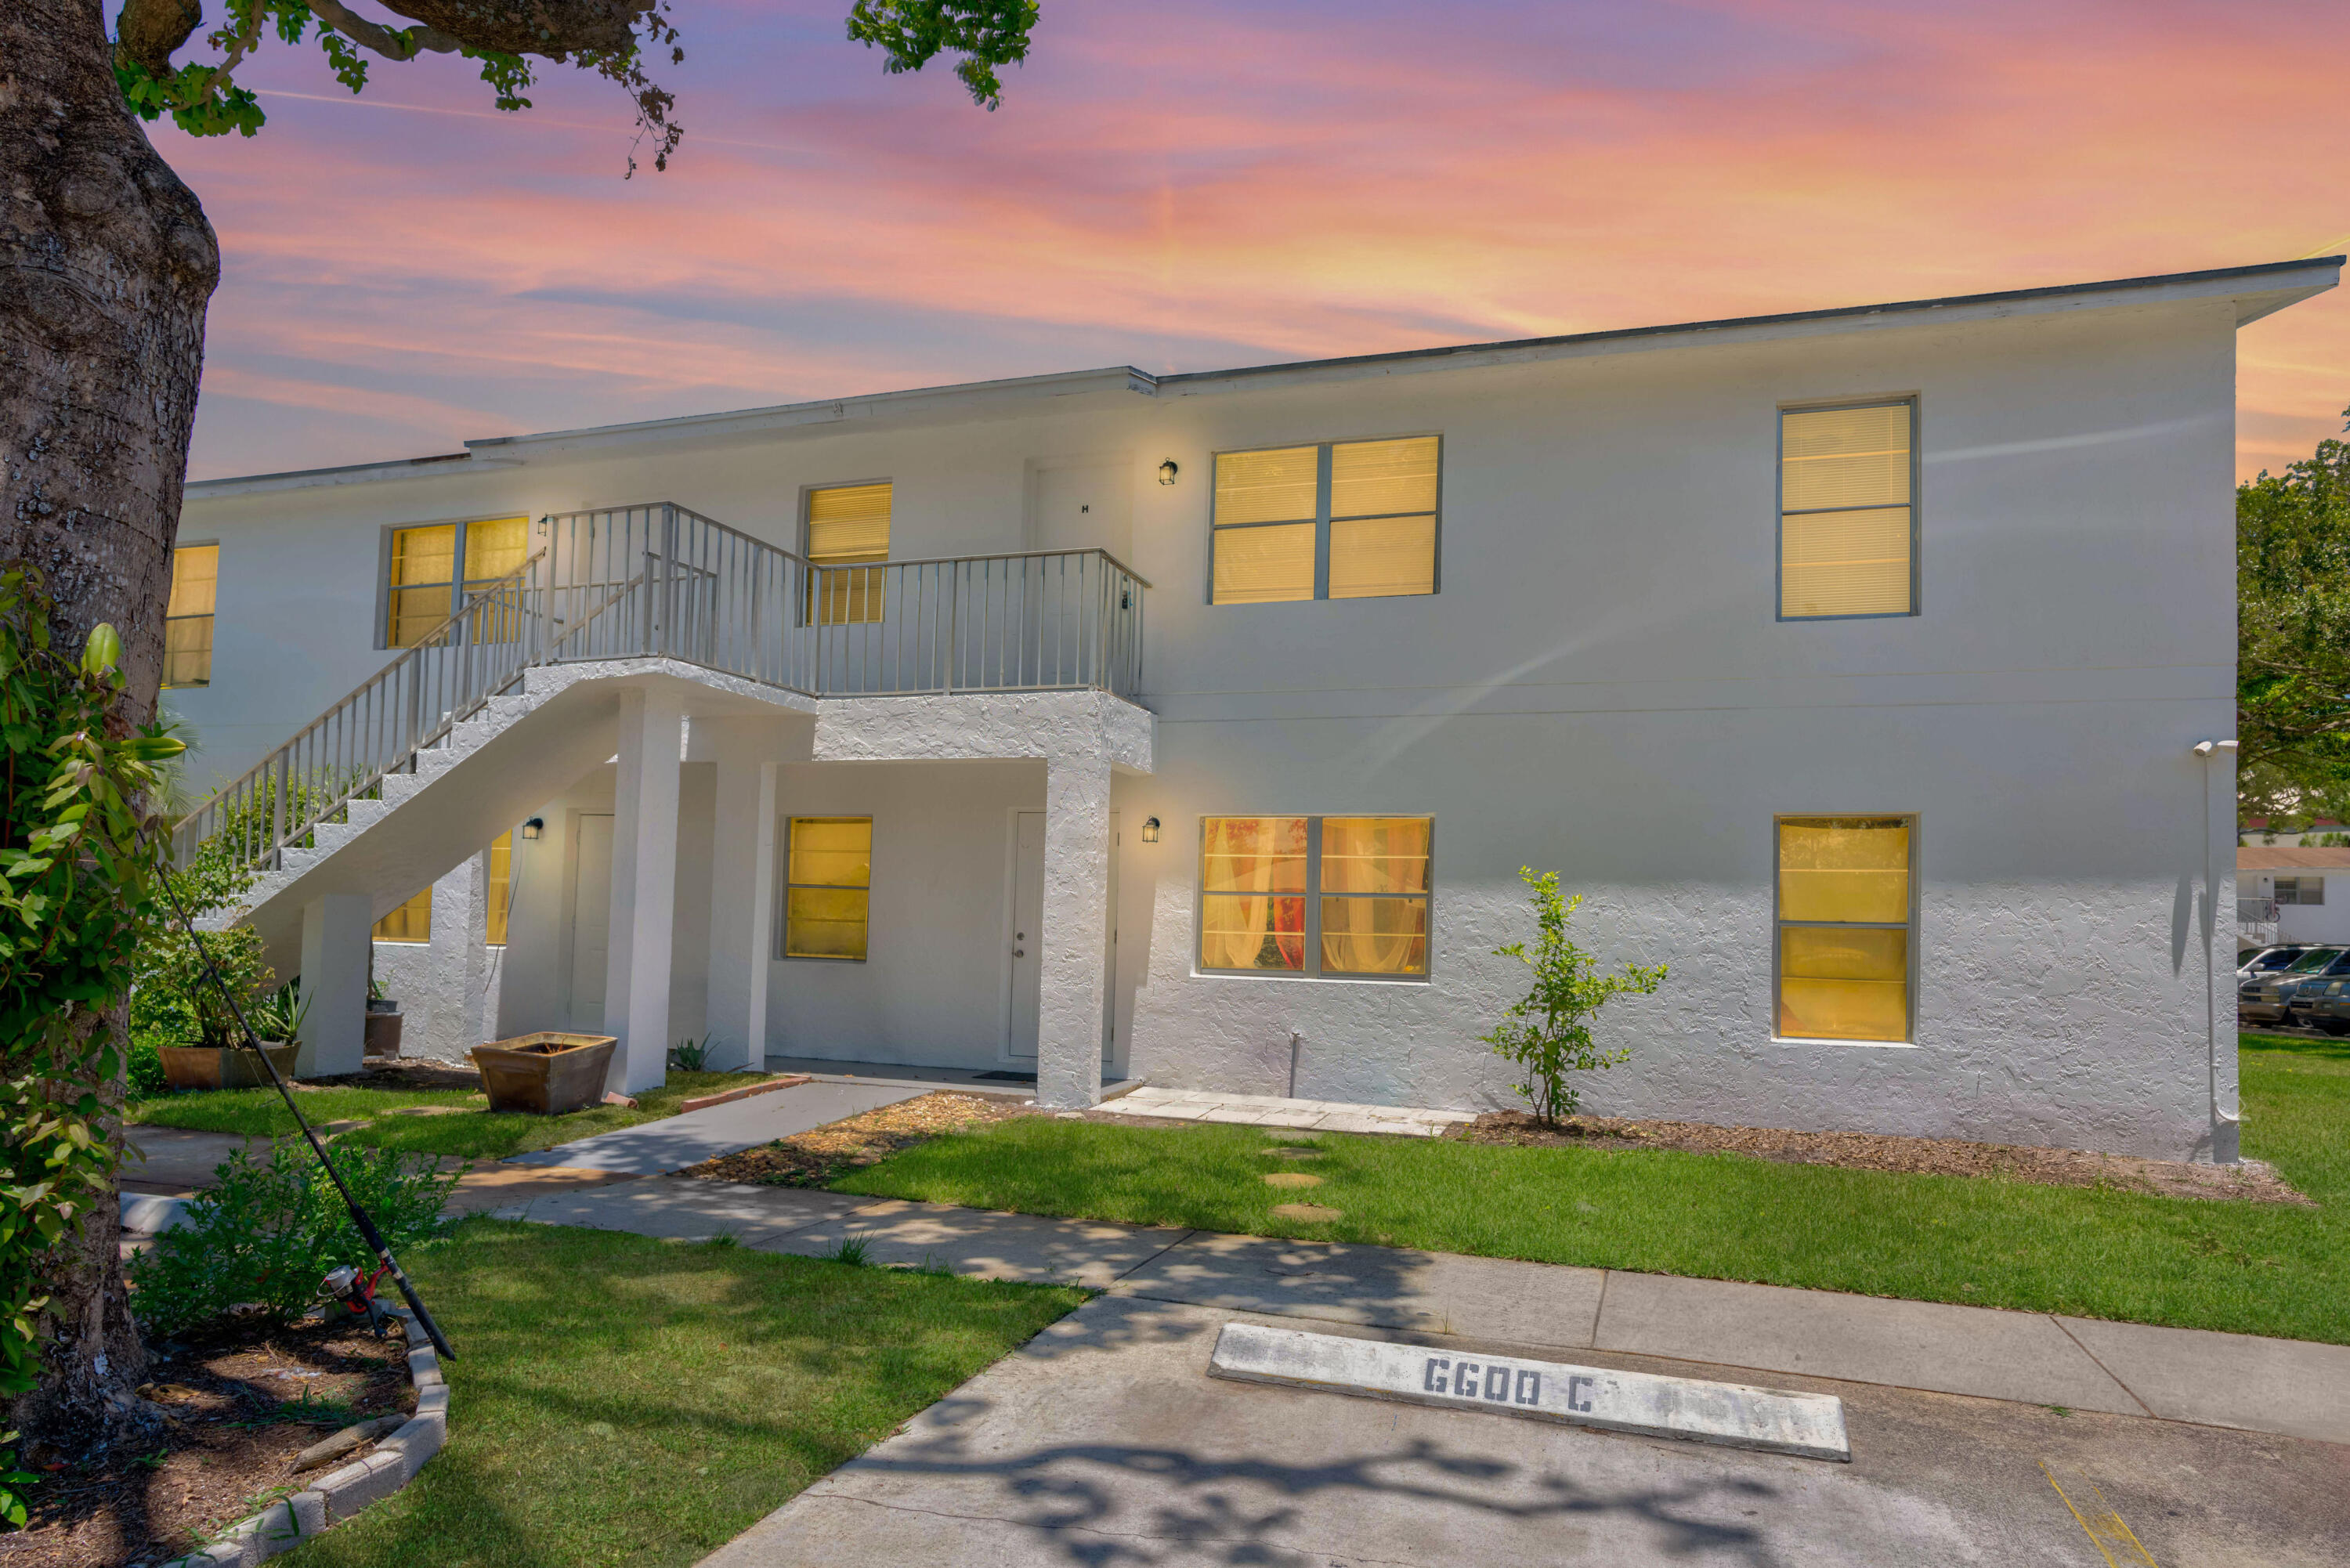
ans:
(1276, 1111)
(674, 1143)
(2285, 1386)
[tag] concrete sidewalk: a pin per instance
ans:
(2286, 1387)
(674, 1143)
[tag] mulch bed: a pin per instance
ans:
(2252, 1181)
(409, 1073)
(238, 1408)
(816, 1157)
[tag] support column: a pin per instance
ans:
(644, 888)
(1076, 943)
(742, 896)
(448, 1024)
(337, 934)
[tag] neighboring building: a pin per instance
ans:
(2282, 895)
(1111, 725)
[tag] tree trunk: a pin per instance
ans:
(106, 265)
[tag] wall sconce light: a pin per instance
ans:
(1168, 471)
(533, 828)
(1150, 830)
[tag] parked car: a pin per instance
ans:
(2324, 1003)
(2269, 997)
(2268, 960)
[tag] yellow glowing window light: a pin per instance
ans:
(1845, 927)
(412, 922)
(827, 894)
(500, 889)
(188, 617)
(1845, 510)
(848, 525)
(1336, 520)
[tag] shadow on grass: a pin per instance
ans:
(2315, 1047)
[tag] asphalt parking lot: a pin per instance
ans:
(1104, 1442)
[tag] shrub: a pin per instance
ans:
(1545, 1033)
(270, 1230)
(689, 1055)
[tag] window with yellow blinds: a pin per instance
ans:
(1339, 520)
(188, 617)
(426, 588)
(499, 891)
(1845, 927)
(848, 525)
(1316, 895)
(1847, 510)
(827, 887)
(412, 922)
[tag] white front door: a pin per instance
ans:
(591, 920)
(1027, 928)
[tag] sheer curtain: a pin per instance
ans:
(1252, 886)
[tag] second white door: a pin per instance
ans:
(1027, 926)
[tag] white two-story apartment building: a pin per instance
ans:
(1107, 726)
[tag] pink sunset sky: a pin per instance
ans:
(1192, 185)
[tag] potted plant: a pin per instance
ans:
(383, 1019)
(547, 1072)
(201, 1043)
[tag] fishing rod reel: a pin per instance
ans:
(356, 1290)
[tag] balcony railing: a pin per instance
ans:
(661, 581)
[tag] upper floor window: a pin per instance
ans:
(1366, 913)
(1343, 520)
(426, 586)
(1844, 928)
(1847, 510)
(847, 524)
(188, 617)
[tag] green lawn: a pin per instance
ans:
(473, 1135)
(2249, 1268)
(619, 1399)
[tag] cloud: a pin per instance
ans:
(1231, 183)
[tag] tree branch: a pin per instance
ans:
(393, 44)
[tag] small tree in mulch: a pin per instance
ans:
(1547, 1033)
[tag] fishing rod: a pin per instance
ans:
(368, 1232)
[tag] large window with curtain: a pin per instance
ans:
(827, 887)
(1341, 520)
(1316, 895)
(428, 586)
(847, 525)
(1847, 510)
(188, 617)
(1845, 926)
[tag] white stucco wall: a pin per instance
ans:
(1602, 687)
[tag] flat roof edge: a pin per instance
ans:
(1520, 345)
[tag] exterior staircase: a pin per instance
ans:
(516, 696)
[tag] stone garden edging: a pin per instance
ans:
(342, 1492)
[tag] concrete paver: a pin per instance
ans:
(686, 1210)
(982, 1245)
(673, 1143)
(2227, 1379)
(1277, 1111)
(178, 1160)
(1103, 1441)
(2017, 1356)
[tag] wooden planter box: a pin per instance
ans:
(549, 1074)
(218, 1067)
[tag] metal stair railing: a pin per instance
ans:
(662, 581)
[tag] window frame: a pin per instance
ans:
(211, 643)
(1312, 971)
(1909, 1040)
(784, 886)
(2276, 891)
(809, 608)
(388, 546)
(1322, 465)
(1916, 404)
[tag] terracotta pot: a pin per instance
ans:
(216, 1067)
(383, 1034)
(547, 1072)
